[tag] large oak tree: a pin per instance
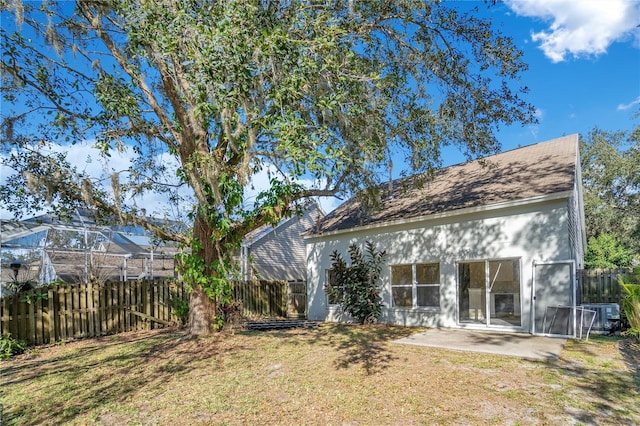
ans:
(611, 179)
(327, 91)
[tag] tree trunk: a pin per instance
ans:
(202, 309)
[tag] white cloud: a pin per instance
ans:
(534, 129)
(580, 27)
(631, 104)
(260, 182)
(87, 159)
(5, 173)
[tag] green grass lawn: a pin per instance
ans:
(336, 374)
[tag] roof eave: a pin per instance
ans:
(447, 214)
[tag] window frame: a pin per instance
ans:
(415, 285)
(327, 277)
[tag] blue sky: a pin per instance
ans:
(584, 65)
(584, 71)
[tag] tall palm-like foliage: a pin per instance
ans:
(631, 306)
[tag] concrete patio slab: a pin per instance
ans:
(537, 348)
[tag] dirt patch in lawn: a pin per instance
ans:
(335, 374)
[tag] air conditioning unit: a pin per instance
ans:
(607, 316)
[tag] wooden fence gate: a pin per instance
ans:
(297, 299)
(272, 298)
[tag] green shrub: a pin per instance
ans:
(180, 308)
(631, 307)
(10, 346)
(356, 287)
(605, 251)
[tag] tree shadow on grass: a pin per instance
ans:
(364, 345)
(357, 345)
(93, 375)
(630, 350)
(610, 393)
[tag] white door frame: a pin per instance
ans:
(571, 262)
(487, 322)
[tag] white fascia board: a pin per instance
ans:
(449, 214)
(580, 194)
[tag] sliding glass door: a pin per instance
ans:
(489, 292)
(472, 292)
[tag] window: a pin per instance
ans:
(489, 292)
(331, 280)
(416, 286)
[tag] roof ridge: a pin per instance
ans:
(547, 167)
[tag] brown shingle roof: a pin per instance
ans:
(536, 170)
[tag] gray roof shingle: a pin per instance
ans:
(532, 171)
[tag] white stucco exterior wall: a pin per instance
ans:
(531, 231)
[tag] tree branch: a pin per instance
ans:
(135, 76)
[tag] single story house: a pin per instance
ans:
(488, 244)
(278, 252)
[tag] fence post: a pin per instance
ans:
(108, 311)
(590, 284)
(91, 310)
(31, 316)
(68, 312)
(120, 327)
(51, 317)
(4, 315)
(101, 319)
(128, 317)
(40, 326)
(148, 298)
(84, 311)
(615, 287)
(77, 310)
(155, 308)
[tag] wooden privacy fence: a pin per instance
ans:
(271, 298)
(600, 285)
(73, 311)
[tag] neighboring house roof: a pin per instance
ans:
(279, 252)
(264, 230)
(127, 238)
(520, 174)
(52, 247)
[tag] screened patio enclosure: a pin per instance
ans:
(43, 250)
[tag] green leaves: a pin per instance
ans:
(631, 307)
(116, 96)
(325, 93)
(356, 288)
(10, 346)
(611, 179)
(605, 251)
